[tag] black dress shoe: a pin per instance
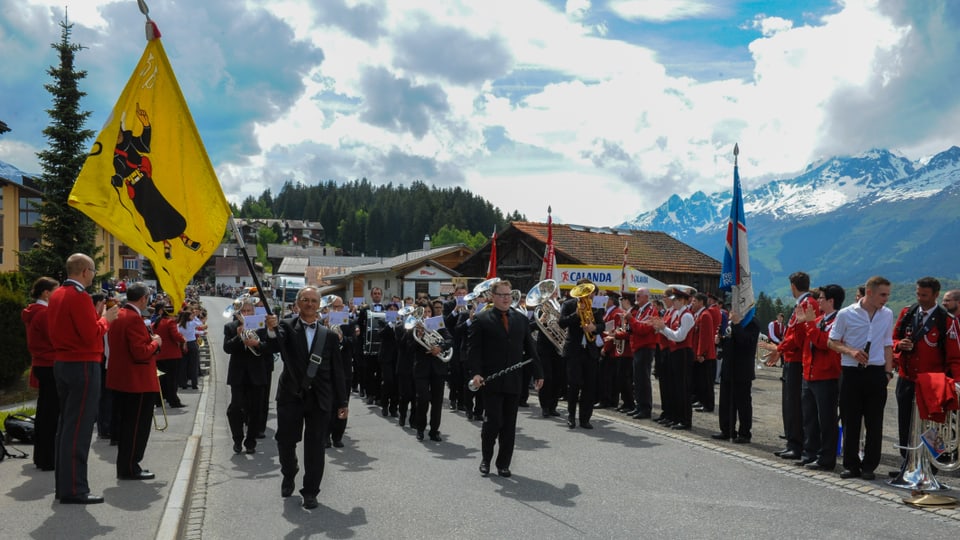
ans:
(419, 434)
(699, 409)
(86, 498)
(286, 486)
(524, 404)
(553, 412)
(847, 473)
(338, 444)
(818, 467)
(571, 423)
(327, 444)
(545, 413)
(804, 461)
(484, 468)
(641, 416)
(741, 440)
(237, 448)
(251, 450)
(310, 502)
(142, 475)
(586, 425)
(504, 472)
(720, 437)
(435, 436)
(868, 475)
(681, 426)
(177, 406)
(402, 421)
(790, 454)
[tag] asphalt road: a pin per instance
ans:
(622, 479)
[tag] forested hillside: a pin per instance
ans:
(385, 219)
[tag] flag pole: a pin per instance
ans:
(242, 248)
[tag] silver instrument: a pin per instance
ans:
(247, 334)
(515, 298)
(917, 474)
(430, 338)
(484, 290)
(546, 312)
(376, 322)
(326, 303)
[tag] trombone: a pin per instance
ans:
(163, 408)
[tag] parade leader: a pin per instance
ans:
(132, 375)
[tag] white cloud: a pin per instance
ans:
(661, 10)
(769, 26)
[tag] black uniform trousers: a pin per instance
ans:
(429, 396)
(863, 395)
(389, 392)
(296, 422)
(906, 394)
(407, 392)
(736, 404)
(78, 387)
(168, 381)
(606, 384)
(791, 408)
(664, 382)
(46, 418)
(553, 371)
(246, 402)
(455, 383)
(704, 375)
(623, 384)
(642, 387)
(582, 371)
(134, 415)
(819, 401)
(681, 365)
(371, 376)
(499, 423)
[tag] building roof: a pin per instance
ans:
(296, 266)
(647, 250)
(404, 261)
(292, 223)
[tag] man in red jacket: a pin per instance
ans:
(921, 345)
(821, 381)
(76, 331)
(643, 343)
(133, 378)
(704, 353)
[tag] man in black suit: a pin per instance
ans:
(311, 385)
(248, 376)
(737, 372)
(582, 356)
(499, 338)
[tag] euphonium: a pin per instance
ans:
(484, 290)
(917, 474)
(515, 298)
(546, 312)
(430, 338)
(246, 333)
(584, 306)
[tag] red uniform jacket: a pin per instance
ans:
(170, 347)
(928, 354)
(717, 317)
(34, 319)
(820, 363)
(703, 332)
(642, 335)
(133, 365)
(792, 345)
(687, 342)
(610, 347)
(76, 330)
(667, 345)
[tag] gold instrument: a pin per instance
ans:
(917, 473)
(163, 408)
(546, 312)
(584, 306)
(621, 344)
(430, 338)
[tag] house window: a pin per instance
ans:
(386, 284)
(29, 211)
(369, 284)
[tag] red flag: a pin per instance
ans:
(549, 257)
(623, 271)
(492, 265)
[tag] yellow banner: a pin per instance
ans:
(148, 180)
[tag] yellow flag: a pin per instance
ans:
(148, 180)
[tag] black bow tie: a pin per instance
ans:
(312, 326)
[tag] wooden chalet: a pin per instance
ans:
(520, 249)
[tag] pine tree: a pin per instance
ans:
(63, 230)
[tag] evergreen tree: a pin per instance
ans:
(63, 230)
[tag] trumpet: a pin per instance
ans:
(546, 312)
(584, 307)
(430, 338)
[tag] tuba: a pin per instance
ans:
(584, 306)
(917, 474)
(430, 338)
(546, 312)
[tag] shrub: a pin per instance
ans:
(14, 357)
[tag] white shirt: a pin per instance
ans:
(190, 332)
(854, 328)
(680, 334)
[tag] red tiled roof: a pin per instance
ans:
(647, 250)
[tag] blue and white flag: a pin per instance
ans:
(735, 276)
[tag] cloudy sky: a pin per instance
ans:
(600, 108)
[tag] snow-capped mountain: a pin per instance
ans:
(872, 212)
